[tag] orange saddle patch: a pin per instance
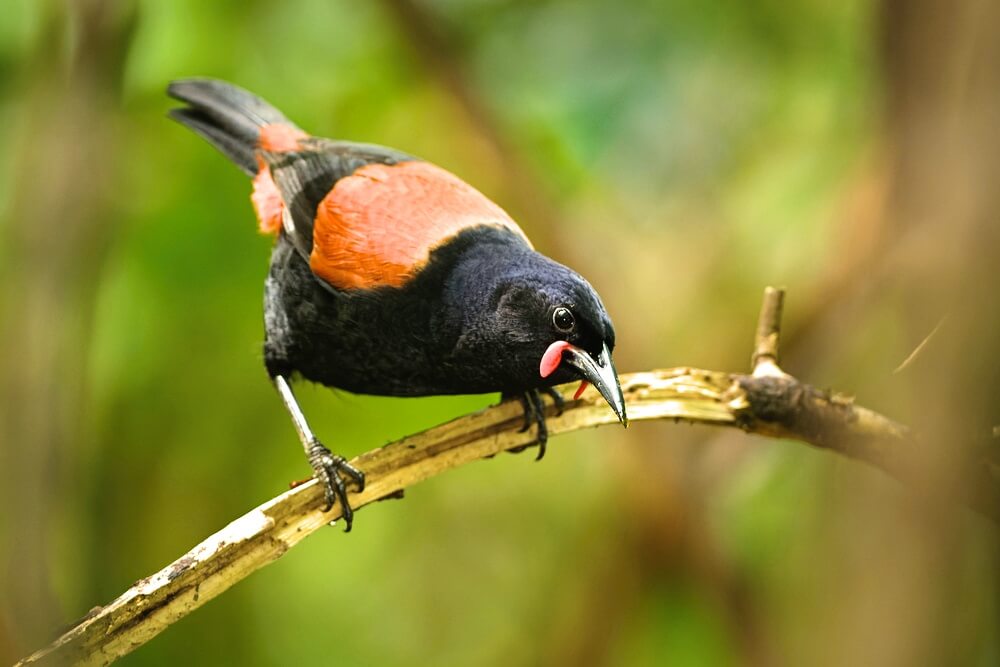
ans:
(280, 138)
(378, 226)
(266, 199)
(267, 202)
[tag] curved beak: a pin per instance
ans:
(601, 373)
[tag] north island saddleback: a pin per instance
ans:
(391, 276)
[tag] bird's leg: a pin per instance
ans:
(529, 415)
(557, 399)
(327, 467)
(534, 414)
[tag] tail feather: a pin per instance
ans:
(227, 116)
(239, 150)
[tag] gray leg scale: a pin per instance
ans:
(327, 467)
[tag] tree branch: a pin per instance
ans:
(768, 402)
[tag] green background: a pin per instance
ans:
(681, 155)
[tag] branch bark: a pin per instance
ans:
(769, 403)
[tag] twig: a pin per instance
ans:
(771, 404)
(765, 352)
(910, 358)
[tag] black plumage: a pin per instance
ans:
(481, 311)
(472, 321)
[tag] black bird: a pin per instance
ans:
(392, 276)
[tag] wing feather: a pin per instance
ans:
(378, 226)
(365, 216)
(305, 177)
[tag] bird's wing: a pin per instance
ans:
(366, 216)
(292, 183)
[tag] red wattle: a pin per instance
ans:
(579, 391)
(552, 358)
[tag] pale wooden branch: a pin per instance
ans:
(772, 404)
(765, 349)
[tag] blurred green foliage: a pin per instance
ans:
(692, 152)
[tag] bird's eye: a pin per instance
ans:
(562, 318)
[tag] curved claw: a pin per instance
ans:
(539, 415)
(534, 415)
(557, 399)
(329, 469)
(529, 412)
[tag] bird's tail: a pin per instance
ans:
(229, 117)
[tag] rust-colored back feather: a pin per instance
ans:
(378, 226)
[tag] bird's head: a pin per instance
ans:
(555, 329)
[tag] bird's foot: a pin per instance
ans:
(330, 470)
(557, 399)
(534, 415)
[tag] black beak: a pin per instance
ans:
(600, 373)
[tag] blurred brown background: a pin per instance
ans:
(681, 155)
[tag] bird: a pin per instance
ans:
(391, 276)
